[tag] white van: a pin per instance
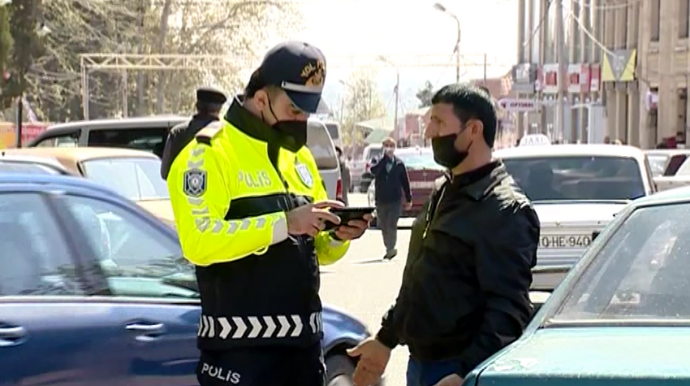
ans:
(334, 132)
(322, 147)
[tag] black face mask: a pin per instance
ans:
(445, 153)
(292, 134)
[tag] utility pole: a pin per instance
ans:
(485, 70)
(562, 66)
(397, 97)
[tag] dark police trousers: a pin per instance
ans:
(263, 366)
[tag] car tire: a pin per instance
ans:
(339, 370)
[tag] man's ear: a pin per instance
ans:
(261, 99)
(477, 127)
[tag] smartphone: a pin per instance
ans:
(348, 214)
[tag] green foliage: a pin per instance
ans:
(23, 17)
(5, 43)
(425, 94)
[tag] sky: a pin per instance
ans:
(412, 27)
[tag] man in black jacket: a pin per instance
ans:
(390, 181)
(465, 289)
(209, 101)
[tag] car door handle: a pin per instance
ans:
(149, 332)
(11, 336)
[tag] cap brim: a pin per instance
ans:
(310, 103)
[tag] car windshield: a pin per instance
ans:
(641, 273)
(419, 160)
(658, 163)
(577, 178)
(25, 167)
(135, 178)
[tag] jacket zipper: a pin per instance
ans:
(432, 213)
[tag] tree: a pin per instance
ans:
(425, 94)
(26, 47)
(5, 43)
(362, 102)
(148, 27)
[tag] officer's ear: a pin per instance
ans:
(261, 100)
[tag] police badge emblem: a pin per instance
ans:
(305, 175)
(194, 182)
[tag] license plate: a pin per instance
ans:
(565, 241)
(422, 184)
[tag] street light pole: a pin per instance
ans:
(445, 10)
(397, 90)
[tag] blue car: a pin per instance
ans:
(94, 291)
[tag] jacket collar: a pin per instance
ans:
(479, 183)
(249, 123)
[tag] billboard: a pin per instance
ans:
(8, 133)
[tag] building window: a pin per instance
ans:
(683, 13)
(656, 19)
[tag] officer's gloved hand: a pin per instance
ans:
(311, 219)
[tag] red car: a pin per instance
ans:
(422, 171)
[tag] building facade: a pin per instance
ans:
(626, 63)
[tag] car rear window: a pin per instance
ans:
(333, 130)
(321, 146)
(148, 139)
(135, 178)
(419, 160)
(571, 178)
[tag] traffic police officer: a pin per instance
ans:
(209, 102)
(250, 209)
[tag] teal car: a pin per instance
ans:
(621, 316)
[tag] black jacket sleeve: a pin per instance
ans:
(405, 180)
(386, 334)
(166, 158)
(505, 257)
(378, 165)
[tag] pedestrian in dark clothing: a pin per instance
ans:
(209, 102)
(391, 182)
(345, 178)
(465, 289)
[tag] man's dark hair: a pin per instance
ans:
(256, 83)
(470, 102)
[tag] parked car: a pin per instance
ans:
(94, 291)
(622, 315)
(576, 190)
(666, 162)
(422, 171)
(29, 164)
(149, 134)
(134, 174)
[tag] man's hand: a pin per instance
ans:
(451, 380)
(408, 205)
(310, 219)
(354, 229)
(373, 359)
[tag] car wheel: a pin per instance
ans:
(339, 370)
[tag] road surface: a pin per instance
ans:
(365, 285)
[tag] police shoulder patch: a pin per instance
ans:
(194, 182)
(305, 175)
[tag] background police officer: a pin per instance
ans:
(250, 208)
(209, 102)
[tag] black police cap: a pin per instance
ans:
(300, 70)
(210, 95)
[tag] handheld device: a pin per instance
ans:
(348, 214)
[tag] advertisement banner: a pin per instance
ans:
(8, 133)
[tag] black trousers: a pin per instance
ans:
(263, 366)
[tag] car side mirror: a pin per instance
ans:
(595, 234)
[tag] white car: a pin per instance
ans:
(576, 190)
